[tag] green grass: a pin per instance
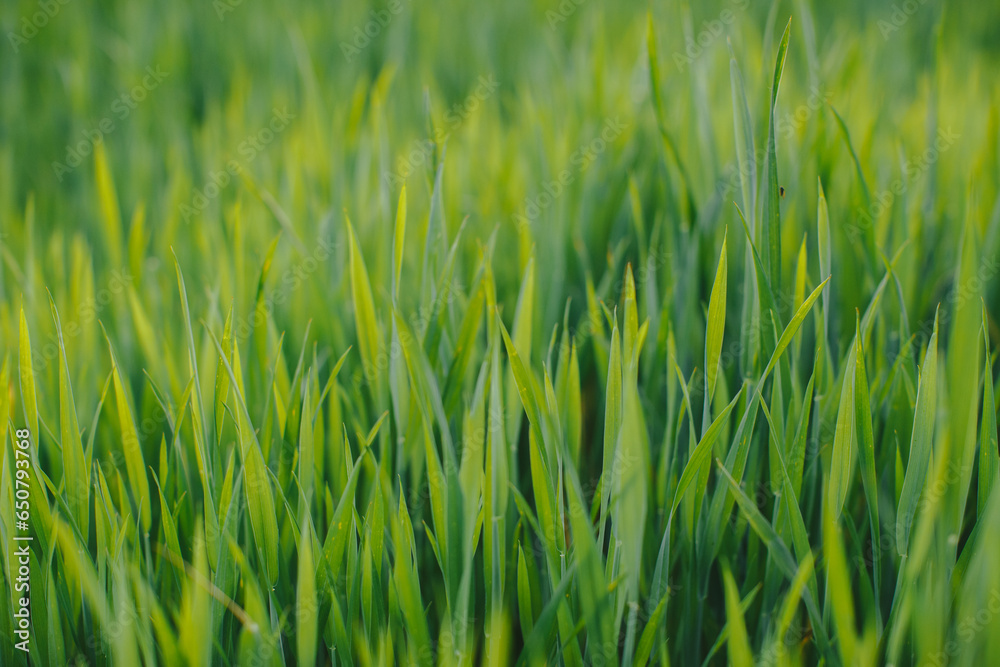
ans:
(579, 334)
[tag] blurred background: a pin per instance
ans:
(131, 133)
(367, 84)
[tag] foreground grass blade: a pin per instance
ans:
(866, 445)
(740, 654)
(132, 446)
(257, 484)
(27, 376)
(306, 599)
(839, 585)
(716, 325)
(920, 445)
(364, 308)
(989, 458)
(75, 468)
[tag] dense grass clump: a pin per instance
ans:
(539, 333)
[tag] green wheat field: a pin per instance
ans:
(542, 332)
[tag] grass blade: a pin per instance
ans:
(866, 445)
(920, 445)
(989, 459)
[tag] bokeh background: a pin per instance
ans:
(132, 133)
